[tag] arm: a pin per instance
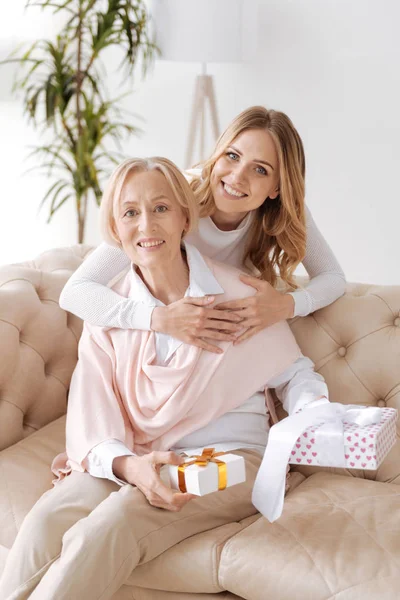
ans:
(327, 280)
(97, 416)
(96, 411)
(86, 295)
(99, 461)
(269, 306)
(299, 385)
(189, 320)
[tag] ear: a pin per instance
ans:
(186, 227)
(274, 194)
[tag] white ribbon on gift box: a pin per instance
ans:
(269, 487)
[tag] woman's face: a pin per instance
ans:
(247, 173)
(150, 221)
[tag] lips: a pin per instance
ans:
(232, 191)
(150, 243)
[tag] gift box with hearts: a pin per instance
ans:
(364, 447)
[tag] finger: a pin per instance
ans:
(166, 458)
(178, 501)
(171, 498)
(252, 321)
(223, 315)
(254, 282)
(204, 301)
(222, 325)
(233, 304)
(248, 313)
(222, 336)
(247, 334)
(204, 345)
(181, 499)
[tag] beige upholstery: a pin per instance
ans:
(338, 536)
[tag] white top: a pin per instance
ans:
(87, 296)
(244, 427)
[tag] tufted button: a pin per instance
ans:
(381, 403)
(342, 351)
(397, 322)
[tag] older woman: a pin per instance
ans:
(138, 399)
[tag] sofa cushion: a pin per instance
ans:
(338, 537)
(25, 475)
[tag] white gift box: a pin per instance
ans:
(364, 447)
(202, 480)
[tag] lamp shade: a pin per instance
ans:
(199, 30)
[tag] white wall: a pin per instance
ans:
(332, 65)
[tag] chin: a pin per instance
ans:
(230, 206)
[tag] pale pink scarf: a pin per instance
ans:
(118, 391)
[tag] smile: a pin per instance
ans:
(232, 192)
(150, 243)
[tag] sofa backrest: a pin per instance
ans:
(354, 343)
(38, 342)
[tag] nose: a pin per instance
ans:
(239, 173)
(147, 221)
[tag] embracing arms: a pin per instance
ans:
(189, 319)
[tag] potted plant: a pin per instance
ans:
(66, 100)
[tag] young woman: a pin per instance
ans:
(138, 399)
(251, 198)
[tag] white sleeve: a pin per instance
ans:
(99, 461)
(327, 280)
(85, 294)
(299, 385)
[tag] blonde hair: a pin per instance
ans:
(277, 238)
(112, 193)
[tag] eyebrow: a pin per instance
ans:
(155, 199)
(257, 160)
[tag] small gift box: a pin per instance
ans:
(209, 472)
(364, 447)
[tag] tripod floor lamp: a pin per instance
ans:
(200, 31)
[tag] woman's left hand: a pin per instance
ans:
(266, 307)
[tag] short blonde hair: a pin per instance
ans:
(276, 241)
(112, 193)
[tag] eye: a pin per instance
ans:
(232, 155)
(131, 213)
(161, 208)
(261, 170)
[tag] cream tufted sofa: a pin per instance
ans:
(339, 535)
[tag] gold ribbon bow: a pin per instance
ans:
(208, 455)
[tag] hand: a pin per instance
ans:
(266, 307)
(193, 322)
(143, 471)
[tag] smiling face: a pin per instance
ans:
(246, 174)
(149, 220)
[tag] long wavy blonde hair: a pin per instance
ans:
(277, 238)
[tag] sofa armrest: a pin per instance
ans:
(38, 342)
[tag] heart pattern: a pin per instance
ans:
(365, 447)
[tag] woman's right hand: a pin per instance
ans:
(143, 472)
(193, 322)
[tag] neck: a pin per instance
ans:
(167, 282)
(227, 221)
